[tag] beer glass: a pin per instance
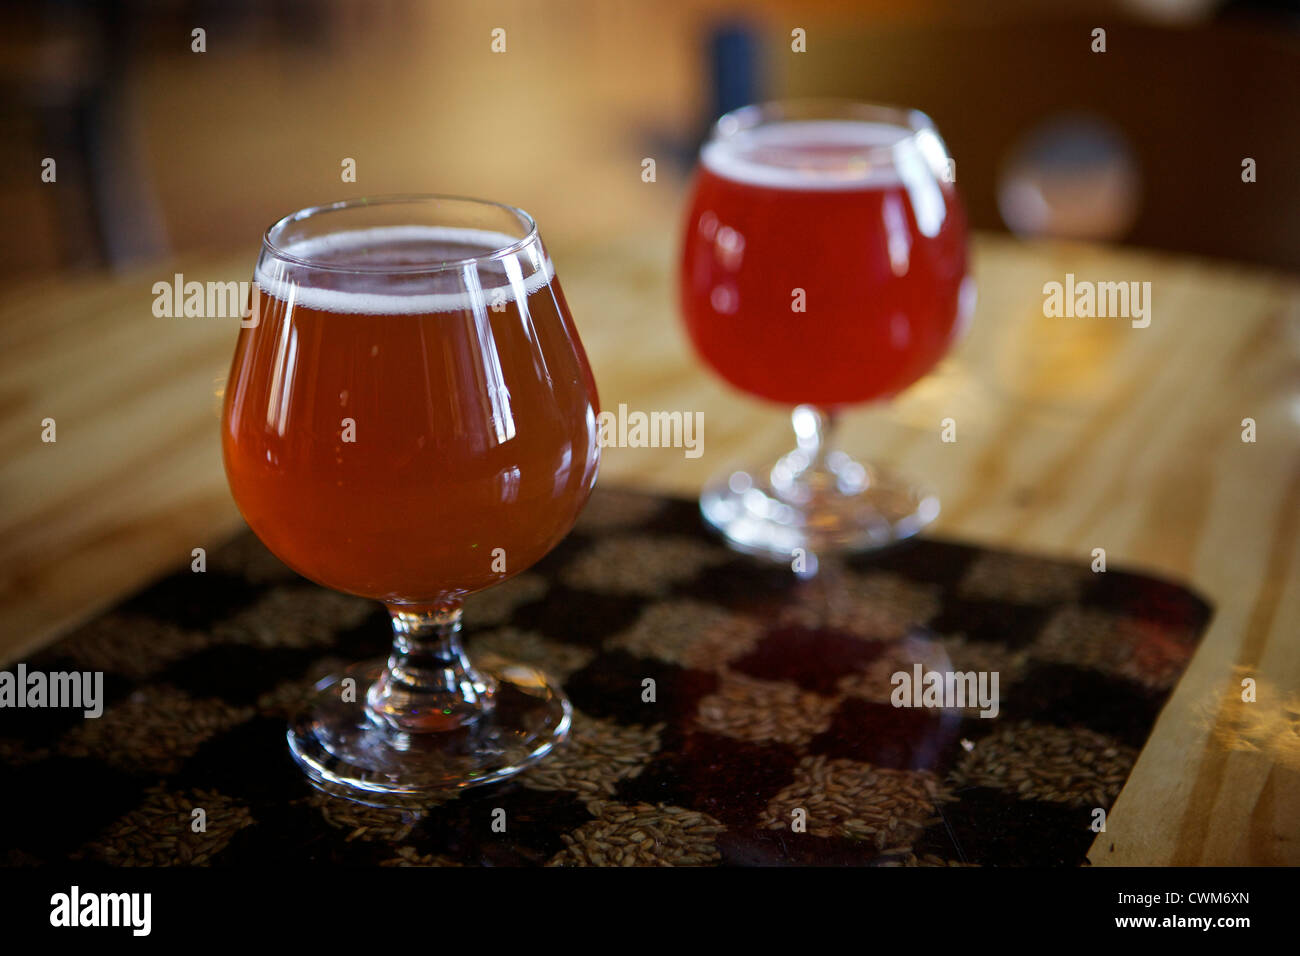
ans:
(411, 418)
(824, 265)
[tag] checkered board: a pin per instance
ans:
(771, 738)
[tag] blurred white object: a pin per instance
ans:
(1071, 177)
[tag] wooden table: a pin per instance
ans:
(1072, 434)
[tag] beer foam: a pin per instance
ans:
(810, 154)
(382, 256)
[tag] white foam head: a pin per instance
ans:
(355, 271)
(810, 154)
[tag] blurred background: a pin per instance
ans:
(163, 150)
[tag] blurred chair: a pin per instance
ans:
(66, 92)
(65, 67)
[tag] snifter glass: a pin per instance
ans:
(823, 266)
(411, 418)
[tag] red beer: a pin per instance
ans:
(824, 260)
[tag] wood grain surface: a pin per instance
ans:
(1072, 434)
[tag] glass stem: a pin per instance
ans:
(814, 429)
(429, 684)
(806, 473)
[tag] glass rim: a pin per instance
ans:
(753, 115)
(395, 199)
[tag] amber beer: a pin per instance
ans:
(391, 435)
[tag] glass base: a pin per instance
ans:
(347, 753)
(841, 508)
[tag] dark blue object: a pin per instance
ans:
(734, 67)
